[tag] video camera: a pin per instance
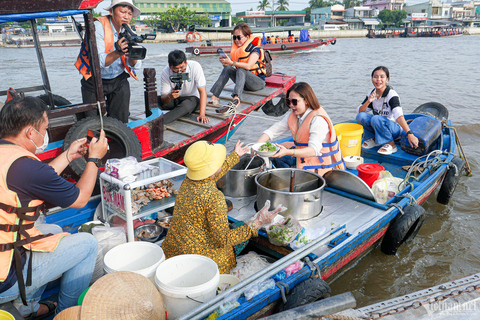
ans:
(178, 79)
(135, 51)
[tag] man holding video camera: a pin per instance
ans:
(115, 62)
(183, 88)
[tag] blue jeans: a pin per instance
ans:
(284, 162)
(74, 257)
(378, 127)
(244, 80)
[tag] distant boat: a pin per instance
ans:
(284, 46)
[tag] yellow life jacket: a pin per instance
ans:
(17, 223)
(83, 63)
(331, 157)
(242, 54)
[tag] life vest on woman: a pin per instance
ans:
(331, 157)
(291, 38)
(83, 63)
(17, 223)
(285, 40)
(242, 54)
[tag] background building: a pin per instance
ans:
(263, 19)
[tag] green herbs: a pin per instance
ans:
(268, 147)
(283, 232)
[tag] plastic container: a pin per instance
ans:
(351, 162)
(351, 138)
(5, 315)
(427, 130)
(368, 172)
(185, 282)
(139, 257)
(227, 278)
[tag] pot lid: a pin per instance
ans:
(348, 182)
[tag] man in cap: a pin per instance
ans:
(115, 64)
(31, 255)
(183, 99)
(200, 224)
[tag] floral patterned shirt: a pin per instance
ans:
(200, 224)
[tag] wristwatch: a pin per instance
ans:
(97, 161)
(409, 132)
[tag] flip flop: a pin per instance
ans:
(388, 149)
(369, 144)
(51, 310)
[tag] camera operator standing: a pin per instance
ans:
(116, 65)
(183, 88)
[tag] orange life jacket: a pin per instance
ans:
(331, 157)
(242, 54)
(83, 63)
(17, 223)
(285, 40)
(291, 39)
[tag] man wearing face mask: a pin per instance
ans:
(116, 66)
(31, 256)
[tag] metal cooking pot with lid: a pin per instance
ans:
(238, 182)
(305, 202)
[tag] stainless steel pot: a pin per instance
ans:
(305, 202)
(238, 182)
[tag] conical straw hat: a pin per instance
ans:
(123, 295)
(72, 313)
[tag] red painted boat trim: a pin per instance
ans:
(429, 191)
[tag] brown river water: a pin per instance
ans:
(444, 70)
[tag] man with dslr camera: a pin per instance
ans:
(183, 88)
(116, 65)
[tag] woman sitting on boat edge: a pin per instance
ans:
(245, 66)
(315, 146)
(200, 224)
(387, 121)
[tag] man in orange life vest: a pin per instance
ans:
(113, 62)
(31, 256)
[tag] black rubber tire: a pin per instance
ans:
(57, 100)
(333, 42)
(450, 181)
(434, 109)
(403, 228)
(283, 46)
(310, 290)
(196, 51)
(123, 141)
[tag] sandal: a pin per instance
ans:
(369, 144)
(229, 108)
(388, 149)
(214, 103)
(51, 310)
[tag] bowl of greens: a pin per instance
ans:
(266, 149)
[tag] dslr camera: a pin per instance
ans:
(178, 79)
(135, 51)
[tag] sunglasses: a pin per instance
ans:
(236, 38)
(293, 102)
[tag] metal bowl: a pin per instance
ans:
(148, 232)
(164, 222)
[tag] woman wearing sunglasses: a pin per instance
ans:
(245, 66)
(315, 146)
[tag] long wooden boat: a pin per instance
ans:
(274, 47)
(421, 31)
(145, 136)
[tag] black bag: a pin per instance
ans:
(267, 59)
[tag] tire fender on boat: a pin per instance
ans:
(450, 180)
(196, 51)
(49, 44)
(63, 44)
(122, 140)
(284, 47)
(58, 101)
(308, 291)
(333, 42)
(403, 228)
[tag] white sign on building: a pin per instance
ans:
(419, 16)
(254, 13)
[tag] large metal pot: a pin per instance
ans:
(238, 182)
(305, 202)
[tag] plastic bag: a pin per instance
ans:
(248, 265)
(282, 233)
(128, 169)
(109, 237)
(385, 187)
(307, 235)
(294, 267)
(258, 288)
(231, 302)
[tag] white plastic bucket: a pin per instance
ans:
(185, 282)
(139, 257)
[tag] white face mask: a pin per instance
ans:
(44, 145)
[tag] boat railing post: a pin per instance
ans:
(150, 94)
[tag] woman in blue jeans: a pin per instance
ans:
(387, 121)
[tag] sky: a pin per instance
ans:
(245, 5)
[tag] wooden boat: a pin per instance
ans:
(433, 31)
(144, 137)
(277, 47)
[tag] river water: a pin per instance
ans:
(444, 70)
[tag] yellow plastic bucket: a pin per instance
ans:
(350, 137)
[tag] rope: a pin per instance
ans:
(338, 316)
(468, 170)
